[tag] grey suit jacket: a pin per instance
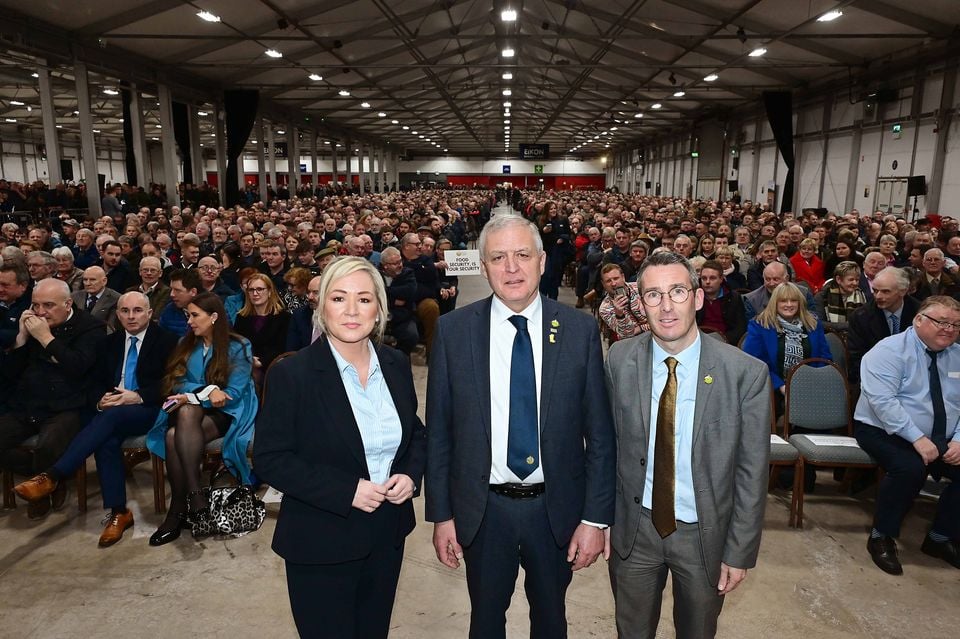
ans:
(104, 310)
(731, 447)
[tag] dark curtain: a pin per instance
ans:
(181, 132)
(131, 159)
(240, 111)
(779, 105)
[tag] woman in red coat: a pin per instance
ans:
(808, 267)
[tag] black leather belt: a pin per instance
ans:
(518, 491)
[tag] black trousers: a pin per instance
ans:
(349, 600)
(55, 431)
(905, 476)
(514, 533)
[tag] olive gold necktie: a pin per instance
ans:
(664, 472)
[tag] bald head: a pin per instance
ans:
(51, 301)
(774, 274)
(94, 280)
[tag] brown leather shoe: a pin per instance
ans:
(113, 531)
(36, 488)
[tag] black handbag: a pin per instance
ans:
(234, 511)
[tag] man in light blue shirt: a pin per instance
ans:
(906, 418)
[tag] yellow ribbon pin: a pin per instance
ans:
(708, 380)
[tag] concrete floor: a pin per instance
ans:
(817, 582)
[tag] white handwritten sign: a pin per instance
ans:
(462, 262)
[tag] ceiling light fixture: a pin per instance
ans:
(315, 77)
(507, 76)
(508, 15)
(394, 121)
(507, 105)
(273, 53)
(508, 52)
(111, 92)
(406, 128)
(281, 132)
(679, 94)
(381, 115)
(711, 78)
(34, 75)
(206, 16)
(365, 105)
(202, 113)
(656, 105)
(830, 16)
(343, 93)
(756, 53)
(11, 119)
(414, 132)
(16, 102)
(638, 115)
(507, 92)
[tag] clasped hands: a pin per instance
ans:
(929, 452)
(32, 325)
(396, 490)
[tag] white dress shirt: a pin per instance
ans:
(502, 334)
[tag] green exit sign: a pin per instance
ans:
(897, 128)
(695, 154)
(538, 169)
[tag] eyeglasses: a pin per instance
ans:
(678, 295)
(943, 326)
(259, 290)
(209, 268)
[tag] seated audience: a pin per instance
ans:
(184, 286)
(840, 296)
(66, 271)
(14, 300)
(428, 286)
(890, 312)
(401, 288)
(808, 266)
(297, 279)
(126, 382)
(151, 269)
(933, 281)
(96, 298)
(722, 309)
(302, 332)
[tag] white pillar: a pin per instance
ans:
(139, 139)
(333, 163)
(262, 159)
(349, 156)
(196, 151)
(272, 159)
(169, 145)
(293, 159)
(54, 176)
(395, 162)
(315, 177)
(370, 173)
(384, 187)
(88, 147)
(221, 145)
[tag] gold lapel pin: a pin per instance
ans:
(553, 338)
(708, 379)
(554, 323)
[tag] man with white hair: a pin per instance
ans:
(48, 372)
(157, 292)
(96, 298)
(85, 253)
(934, 281)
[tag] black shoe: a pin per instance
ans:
(38, 509)
(946, 550)
(883, 551)
(59, 496)
(165, 535)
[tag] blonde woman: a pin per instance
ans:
(264, 321)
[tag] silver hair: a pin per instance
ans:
(62, 251)
(669, 258)
(505, 221)
(900, 277)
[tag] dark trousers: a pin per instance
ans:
(583, 279)
(55, 433)
(552, 274)
(514, 533)
(350, 600)
(405, 333)
(638, 582)
(102, 437)
(905, 476)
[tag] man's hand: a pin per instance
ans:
(927, 450)
(369, 496)
(730, 578)
(449, 552)
(952, 456)
(586, 545)
(38, 329)
(620, 303)
(399, 488)
(123, 398)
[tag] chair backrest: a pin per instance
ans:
(278, 358)
(838, 351)
(817, 397)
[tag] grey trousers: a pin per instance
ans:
(638, 582)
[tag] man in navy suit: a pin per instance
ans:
(126, 386)
(521, 446)
(301, 332)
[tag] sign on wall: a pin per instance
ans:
(534, 151)
(538, 169)
(506, 169)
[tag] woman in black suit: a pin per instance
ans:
(339, 436)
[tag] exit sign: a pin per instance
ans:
(538, 169)
(695, 154)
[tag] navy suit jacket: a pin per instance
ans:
(308, 446)
(300, 330)
(158, 344)
(577, 441)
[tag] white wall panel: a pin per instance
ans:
(835, 178)
(867, 171)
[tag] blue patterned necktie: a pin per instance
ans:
(130, 368)
(894, 324)
(522, 439)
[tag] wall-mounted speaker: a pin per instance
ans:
(733, 185)
(917, 185)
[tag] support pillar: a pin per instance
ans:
(262, 160)
(54, 176)
(349, 158)
(334, 175)
(196, 145)
(88, 147)
(139, 139)
(220, 140)
(293, 159)
(314, 159)
(935, 185)
(271, 164)
(169, 145)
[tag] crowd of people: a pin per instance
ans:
(164, 322)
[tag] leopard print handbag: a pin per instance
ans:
(234, 512)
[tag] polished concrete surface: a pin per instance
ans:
(816, 582)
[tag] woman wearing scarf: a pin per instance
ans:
(840, 296)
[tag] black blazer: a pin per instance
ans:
(300, 330)
(867, 326)
(270, 341)
(158, 344)
(577, 440)
(308, 446)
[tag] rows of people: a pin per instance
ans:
(243, 286)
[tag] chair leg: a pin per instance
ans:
(798, 492)
(9, 500)
(159, 489)
(81, 480)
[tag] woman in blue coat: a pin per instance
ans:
(210, 394)
(783, 334)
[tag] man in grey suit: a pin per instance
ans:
(520, 442)
(96, 298)
(692, 464)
